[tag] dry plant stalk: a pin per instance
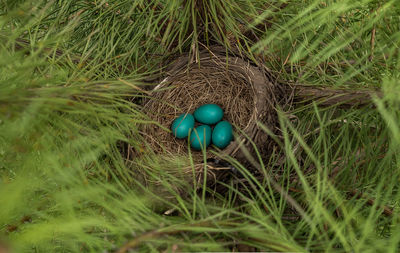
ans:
(327, 96)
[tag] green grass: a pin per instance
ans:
(69, 97)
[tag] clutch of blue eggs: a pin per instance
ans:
(208, 115)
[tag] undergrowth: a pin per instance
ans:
(72, 75)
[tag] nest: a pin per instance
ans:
(240, 88)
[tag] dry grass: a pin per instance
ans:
(242, 90)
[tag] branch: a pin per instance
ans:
(370, 201)
(144, 237)
(157, 233)
(325, 96)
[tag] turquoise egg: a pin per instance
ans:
(208, 114)
(222, 134)
(182, 125)
(200, 135)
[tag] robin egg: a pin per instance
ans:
(222, 134)
(208, 114)
(200, 137)
(182, 125)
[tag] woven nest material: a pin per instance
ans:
(241, 89)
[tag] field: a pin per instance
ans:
(77, 173)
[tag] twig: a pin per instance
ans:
(354, 193)
(327, 96)
(372, 42)
(290, 200)
(134, 86)
(4, 248)
(144, 237)
(370, 201)
(289, 54)
(154, 234)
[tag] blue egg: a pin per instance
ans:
(208, 114)
(200, 137)
(182, 125)
(222, 134)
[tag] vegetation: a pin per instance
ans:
(72, 74)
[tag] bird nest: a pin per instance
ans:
(240, 88)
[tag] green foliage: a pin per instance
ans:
(69, 78)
